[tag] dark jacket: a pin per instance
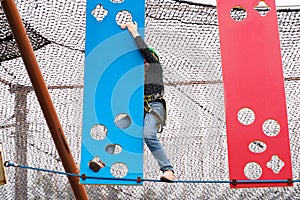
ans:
(154, 75)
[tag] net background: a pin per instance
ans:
(186, 37)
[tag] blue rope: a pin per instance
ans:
(10, 164)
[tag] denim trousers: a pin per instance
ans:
(150, 136)
(151, 128)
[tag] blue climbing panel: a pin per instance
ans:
(113, 90)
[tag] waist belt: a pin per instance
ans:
(153, 97)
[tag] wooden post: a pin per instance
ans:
(21, 139)
(39, 85)
(3, 177)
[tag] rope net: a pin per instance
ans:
(186, 36)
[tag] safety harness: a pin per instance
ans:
(161, 121)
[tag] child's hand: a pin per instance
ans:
(132, 28)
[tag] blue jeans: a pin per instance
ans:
(150, 137)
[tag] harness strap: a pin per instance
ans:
(161, 121)
(153, 97)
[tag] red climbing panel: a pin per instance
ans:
(255, 104)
